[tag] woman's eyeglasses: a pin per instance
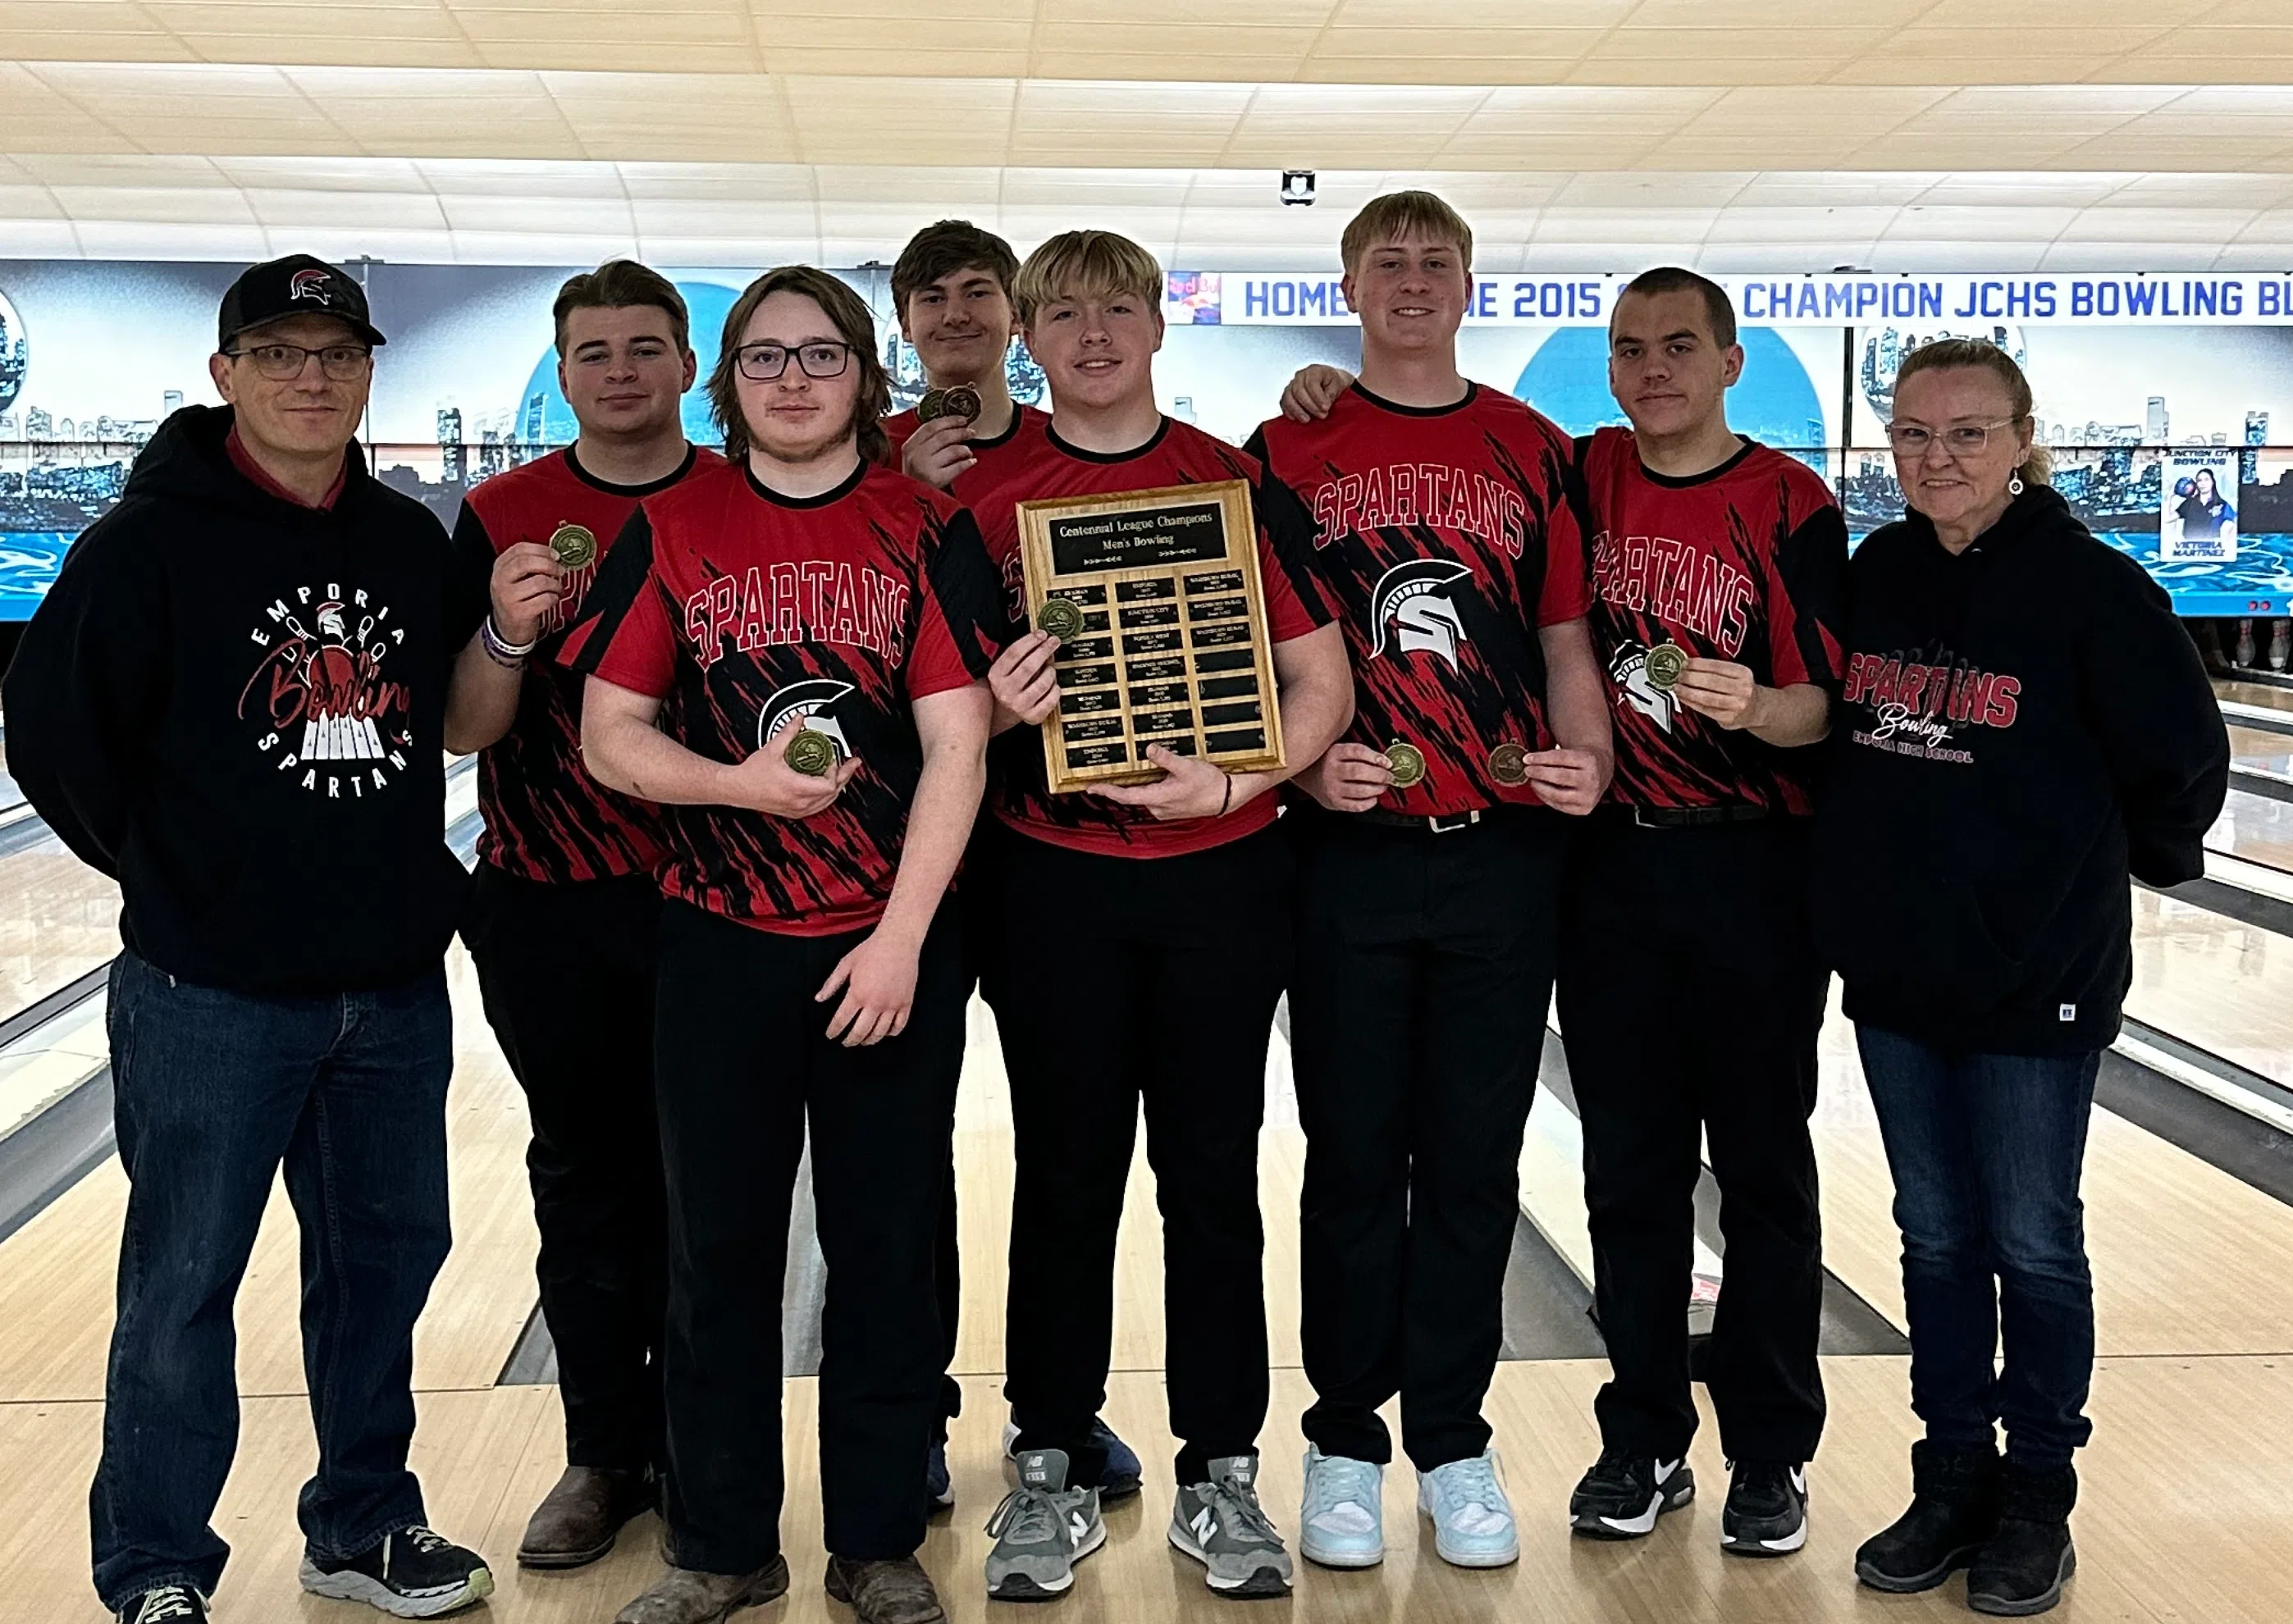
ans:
(1963, 440)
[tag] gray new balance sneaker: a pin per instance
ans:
(1041, 1530)
(1220, 1525)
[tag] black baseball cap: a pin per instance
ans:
(296, 285)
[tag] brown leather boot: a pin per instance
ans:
(895, 1592)
(686, 1596)
(578, 1521)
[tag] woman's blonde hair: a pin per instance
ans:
(1950, 354)
(848, 313)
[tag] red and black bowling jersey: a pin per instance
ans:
(1448, 536)
(1748, 564)
(740, 607)
(545, 818)
(1038, 465)
(901, 425)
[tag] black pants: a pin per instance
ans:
(1116, 981)
(1690, 997)
(567, 972)
(1417, 1021)
(744, 1066)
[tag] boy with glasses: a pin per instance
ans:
(563, 923)
(234, 701)
(1168, 922)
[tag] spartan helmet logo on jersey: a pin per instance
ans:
(1413, 599)
(809, 699)
(1628, 669)
(312, 283)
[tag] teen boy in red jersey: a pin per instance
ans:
(561, 928)
(951, 286)
(1180, 892)
(1428, 900)
(1691, 992)
(809, 978)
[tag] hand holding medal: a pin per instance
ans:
(796, 773)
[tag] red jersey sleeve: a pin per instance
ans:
(1807, 600)
(1566, 593)
(624, 634)
(959, 624)
(1296, 600)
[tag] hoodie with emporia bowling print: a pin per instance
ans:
(234, 705)
(2023, 724)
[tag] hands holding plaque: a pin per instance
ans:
(1151, 659)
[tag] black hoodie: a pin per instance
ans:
(2022, 724)
(234, 705)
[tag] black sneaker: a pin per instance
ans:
(2024, 1567)
(1624, 1494)
(166, 1605)
(1953, 1514)
(414, 1573)
(1766, 1513)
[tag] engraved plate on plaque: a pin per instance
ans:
(1181, 655)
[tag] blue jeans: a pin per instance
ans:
(1986, 1152)
(213, 1091)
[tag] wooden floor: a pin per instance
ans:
(2183, 1518)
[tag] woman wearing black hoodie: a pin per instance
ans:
(2024, 724)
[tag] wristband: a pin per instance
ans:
(499, 649)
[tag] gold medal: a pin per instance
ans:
(1407, 762)
(575, 545)
(1060, 617)
(1509, 765)
(962, 401)
(809, 751)
(1667, 662)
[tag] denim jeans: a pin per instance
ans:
(213, 1091)
(1986, 1152)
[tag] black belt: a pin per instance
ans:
(1692, 816)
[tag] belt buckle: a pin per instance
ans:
(1449, 823)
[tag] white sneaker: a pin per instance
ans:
(1473, 1519)
(1342, 1522)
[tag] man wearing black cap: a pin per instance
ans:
(232, 701)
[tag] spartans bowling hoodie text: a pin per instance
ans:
(2021, 725)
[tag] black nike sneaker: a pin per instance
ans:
(1766, 1513)
(164, 1604)
(1624, 1494)
(413, 1573)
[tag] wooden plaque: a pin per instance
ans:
(1173, 648)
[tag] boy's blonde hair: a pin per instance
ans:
(1085, 265)
(1399, 216)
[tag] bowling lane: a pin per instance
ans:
(59, 920)
(2223, 986)
(2257, 828)
(2270, 694)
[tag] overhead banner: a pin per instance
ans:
(1251, 298)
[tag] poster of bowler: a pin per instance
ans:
(2196, 522)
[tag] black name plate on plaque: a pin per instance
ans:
(1162, 623)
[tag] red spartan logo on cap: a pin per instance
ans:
(312, 285)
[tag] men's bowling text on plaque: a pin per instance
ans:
(1155, 598)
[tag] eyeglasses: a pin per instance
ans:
(283, 363)
(1966, 440)
(762, 363)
